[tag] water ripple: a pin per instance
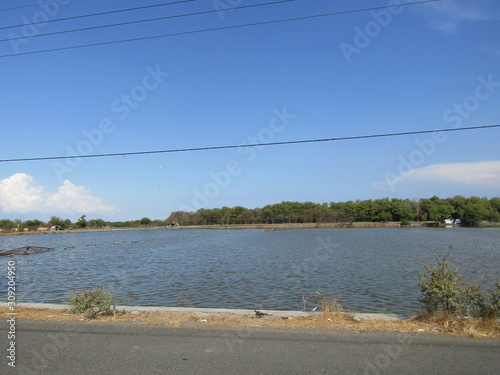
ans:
(368, 269)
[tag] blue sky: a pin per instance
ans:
(418, 67)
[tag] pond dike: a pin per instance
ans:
(202, 311)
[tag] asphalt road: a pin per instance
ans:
(63, 349)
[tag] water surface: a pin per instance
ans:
(370, 269)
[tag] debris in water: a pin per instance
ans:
(26, 250)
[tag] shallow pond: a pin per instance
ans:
(370, 269)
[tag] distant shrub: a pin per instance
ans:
(405, 222)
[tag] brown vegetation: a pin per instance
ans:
(324, 321)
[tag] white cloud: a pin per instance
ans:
(18, 194)
(446, 15)
(71, 198)
(484, 174)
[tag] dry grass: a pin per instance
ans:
(322, 321)
(463, 326)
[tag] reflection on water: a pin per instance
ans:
(371, 269)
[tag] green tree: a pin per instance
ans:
(367, 210)
(402, 210)
(247, 217)
(459, 203)
(226, 214)
(7, 224)
(495, 204)
(383, 217)
(266, 215)
(236, 212)
(32, 224)
(437, 209)
(145, 221)
(352, 209)
(180, 218)
(58, 222)
(96, 223)
(477, 209)
(158, 223)
(82, 222)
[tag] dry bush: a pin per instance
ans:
(444, 293)
(472, 327)
(92, 303)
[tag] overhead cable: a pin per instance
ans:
(20, 7)
(106, 12)
(147, 20)
(210, 148)
(211, 29)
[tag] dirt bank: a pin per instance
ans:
(270, 227)
(322, 321)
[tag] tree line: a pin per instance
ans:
(59, 223)
(471, 210)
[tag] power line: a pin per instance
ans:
(147, 20)
(27, 6)
(254, 145)
(20, 7)
(212, 29)
(106, 12)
